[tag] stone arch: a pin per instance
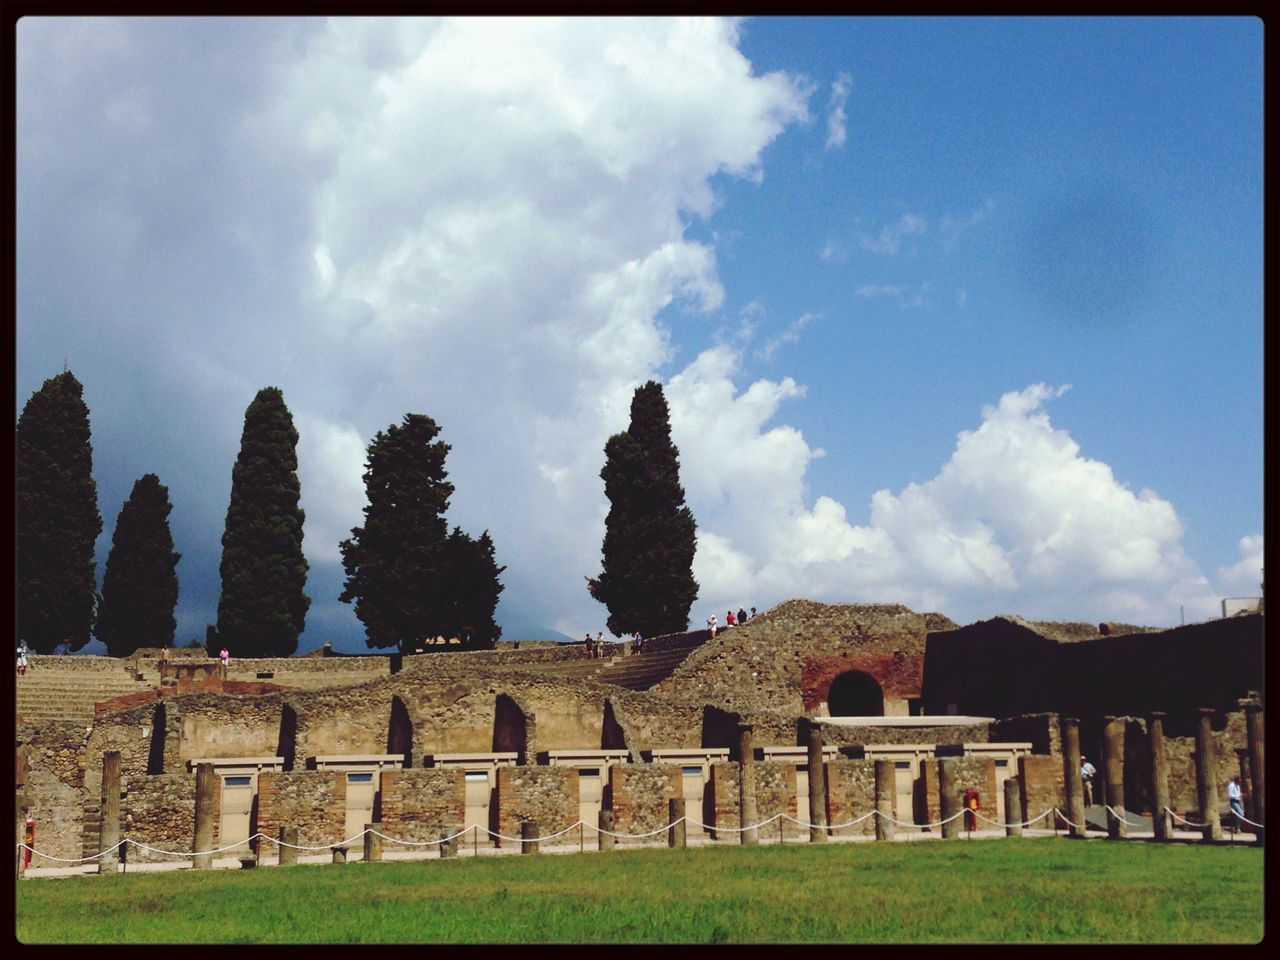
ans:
(400, 732)
(855, 694)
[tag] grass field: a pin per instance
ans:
(998, 891)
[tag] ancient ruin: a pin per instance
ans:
(174, 750)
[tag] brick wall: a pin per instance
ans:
(851, 793)
(971, 773)
(548, 795)
(638, 795)
(898, 675)
(314, 801)
(418, 804)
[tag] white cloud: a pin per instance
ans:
(892, 234)
(1244, 577)
(906, 297)
(836, 131)
(771, 346)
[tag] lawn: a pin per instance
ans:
(1049, 890)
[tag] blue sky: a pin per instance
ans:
(960, 313)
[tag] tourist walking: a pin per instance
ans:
(1087, 773)
(225, 656)
(1235, 797)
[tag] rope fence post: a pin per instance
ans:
(529, 836)
(676, 831)
(604, 833)
(886, 787)
(1013, 808)
(372, 842)
(288, 846)
(449, 841)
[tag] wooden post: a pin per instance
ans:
(886, 788)
(817, 785)
(1159, 777)
(676, 835)
(208, 791)
(1113, 767)
(1207, 776)
(747, 786)
(109, 830)
(1071, 776)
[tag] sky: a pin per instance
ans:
(963, 314)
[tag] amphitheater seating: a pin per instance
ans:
(64, 695)
(635, 672)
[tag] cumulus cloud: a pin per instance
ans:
(836, 131)
(1244, 577)
(1017, 520)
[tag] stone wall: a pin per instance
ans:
(653, 720)
(841, 736)
(761, 665)
(1040, 784)
(775, 794)
(548, 795)
(80, 664)
(971, 773)
(851, 793)
(1041, 730)
(418, 804)
(638, 795)
(162, 809)
(314, 801)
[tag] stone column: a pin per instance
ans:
(817, 785)
(1255, 731)
(22, 834)
(1207, 776)
(676, 831)
(605, 841)
(449, 841)
(747, 786)
(529, 836)
(372, 842)
(1071, 775)
(1013, 814)
(886, 787)
(208, 785)
(1159, 776)
(109, 831)
(1113, 769)
(288, 854)
(949, 792)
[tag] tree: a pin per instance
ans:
(472, 588)
(140, 585)
(407, 575)
(647, 583)
(263, 608)
(57, 518)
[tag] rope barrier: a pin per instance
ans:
(713, 828)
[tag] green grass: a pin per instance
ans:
(996, 891)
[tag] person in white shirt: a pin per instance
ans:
(1235, 797)
(1087, 772)
(711, 625)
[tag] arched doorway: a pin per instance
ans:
(855, 694)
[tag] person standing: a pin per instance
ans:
(22, 657)
(1235, 797)
(742, 615)
(728, 619)
(599, 644)
(225, 656)
(1087, 772)
(711, 625)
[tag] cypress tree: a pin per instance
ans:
(647, 583)
(263, 608)
(472, 588)
(57, 517)
(140, 584)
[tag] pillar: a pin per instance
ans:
(817, 785)
(1254, 730)
(372, 842)
(109, 830)
(676, 830)
(22, 834)
(1071, 775)
(1207, 776)
(529, 836)
(949, 798)
(208, 785)
(747, 786)
(1159, 776)
(288, 854)
(1113, 771)
(1013, 815)
(886, 788)
(605, 840)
